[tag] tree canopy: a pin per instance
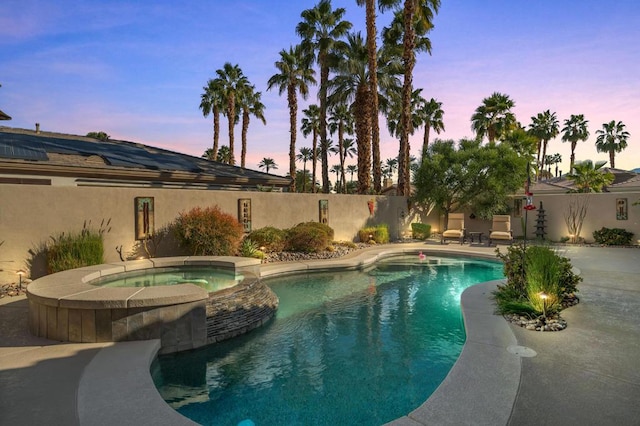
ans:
(470, 175)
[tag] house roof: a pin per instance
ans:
(4, 116)
(624, 180)
(91, 161)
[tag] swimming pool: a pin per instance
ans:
(210, 278)
(344, 348)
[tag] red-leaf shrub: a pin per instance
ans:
(209, 232)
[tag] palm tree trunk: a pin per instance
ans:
(363, 138)
(324, 79)
(341, 153)
(314, 162)
(425, 142)
(373, 87)
(612, 158)
(293, 108)
(216, 131)
(231, 114)
(245, 128)
(544, 154)
(408, 60)
(573, 155)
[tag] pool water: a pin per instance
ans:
(211, 279)
(344, 348)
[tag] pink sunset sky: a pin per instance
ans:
(136, 69)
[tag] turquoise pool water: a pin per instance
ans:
(211, 279)
(357, 348)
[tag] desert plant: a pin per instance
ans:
(613, 236)
(272, 239)
(77, 249)
(420, 231)
(543, 280)
(309, 237)
(250, 249)
(208, 232)
(577, 207)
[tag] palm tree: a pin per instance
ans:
(430, 114)
(391, 165)
(302, 180)
(574, 130)
(321, 29)
(224, 155)
(393, 110)
(544, 126)
(588, 177)
(295, 75)
(250, 104)
(311, 125)
(349, 148)
(494, 118)
(417, 13)
(208, 154)
(337, 169)
(555, 159)
(372, 49)
(230, 80)
(352, 168)
(341, 122)
(267, 163)
(305, 155)
(351, 85)
(612, 138)
(211, 103)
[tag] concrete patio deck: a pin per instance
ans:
(588, 374)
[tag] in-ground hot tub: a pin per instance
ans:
(73, 306)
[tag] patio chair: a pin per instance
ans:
(455, 228)
(501, 228)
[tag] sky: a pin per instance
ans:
(136, 69)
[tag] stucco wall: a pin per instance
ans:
(30, 214)
(601, 212)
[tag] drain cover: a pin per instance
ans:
(521, 351)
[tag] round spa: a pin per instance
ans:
(186, 302)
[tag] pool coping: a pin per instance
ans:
(482, 385)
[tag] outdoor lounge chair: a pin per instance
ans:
(501, 228)
(455, 228)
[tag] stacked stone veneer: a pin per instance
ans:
(239, 309)
(66, 307)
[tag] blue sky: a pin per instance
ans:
(136, 69)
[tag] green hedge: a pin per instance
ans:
(420, 231)
(379, 234)
(613, 236)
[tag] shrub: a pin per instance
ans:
(379, 234)
(75, 250)
(613, 236)
(420, 231)
(516, 295)
(208, 232)
(272, 239)
(309, 237)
